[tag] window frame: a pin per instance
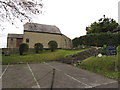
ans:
(27, 40)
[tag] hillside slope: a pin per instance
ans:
(104, 65)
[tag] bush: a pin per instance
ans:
(38, 47)
(23, 48)
(104, 46)
(52, 45)
(103, 50)
(118, 49)
(98, 39)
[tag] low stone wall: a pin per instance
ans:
(13, 50)
(10, 50)
(16, 50)
(76, 58)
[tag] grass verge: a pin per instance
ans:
(104, 65)
(46, 55)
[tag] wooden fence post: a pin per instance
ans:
(53, 77)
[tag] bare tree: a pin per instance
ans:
(19, 9)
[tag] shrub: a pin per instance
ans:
(98, 39)
(118, 49)
(38, 47)
(52, 45)
(103, 50)
(104, 46)
(23, 48)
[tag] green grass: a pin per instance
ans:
(46, 55)
(103, 65)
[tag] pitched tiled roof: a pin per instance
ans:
(34, 27)
(15, 36)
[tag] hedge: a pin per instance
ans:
(95, 39)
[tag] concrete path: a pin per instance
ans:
(40, 76)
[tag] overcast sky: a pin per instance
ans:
(71, 16)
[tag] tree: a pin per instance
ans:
(19, 9)
(38, 47)
(103, 25)
(52, 45)
(23, 48)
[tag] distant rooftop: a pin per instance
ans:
(117, 29)
(34, 27)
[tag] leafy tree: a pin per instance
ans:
(38, 47)
(103, 25)
(23, 48)
(52, 45)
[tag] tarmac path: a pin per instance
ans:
(40, 76)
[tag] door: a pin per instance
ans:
(18, 42)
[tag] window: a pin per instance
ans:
(27, 40)
(11, 39)
(65, 42)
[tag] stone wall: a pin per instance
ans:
(10, 50)
(16, 50)
(76, 58)
(13, 50)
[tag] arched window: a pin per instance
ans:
(27, 40)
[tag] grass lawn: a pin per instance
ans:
(46, 55)
(103, 65)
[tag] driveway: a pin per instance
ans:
(41, 76)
